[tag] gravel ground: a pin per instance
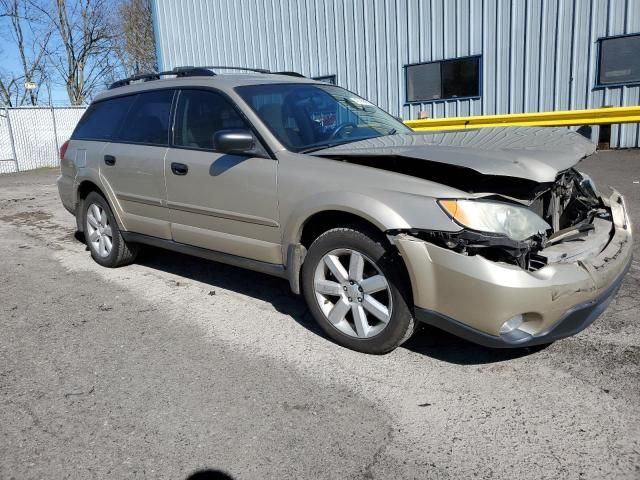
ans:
(176, 364)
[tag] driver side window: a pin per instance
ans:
(199, 115)
(276, 112)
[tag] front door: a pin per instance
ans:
(222, 202)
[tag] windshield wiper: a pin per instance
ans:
(315, 148)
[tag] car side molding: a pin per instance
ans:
(273, 269)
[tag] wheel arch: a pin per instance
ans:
(345, 205)
(325, 220)
(85, 187)
(353, 210)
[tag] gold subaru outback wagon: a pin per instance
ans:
(490, 234)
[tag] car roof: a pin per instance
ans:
(222, 81)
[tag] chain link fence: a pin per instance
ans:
(30, 137)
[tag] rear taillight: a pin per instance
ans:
(63, 149)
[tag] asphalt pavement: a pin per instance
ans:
(177, 364)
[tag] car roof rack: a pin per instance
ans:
(290, 74)
(243, 69)
(189, 71)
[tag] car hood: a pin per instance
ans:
(536, 154)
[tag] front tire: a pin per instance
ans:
(103, 236)
(356, 289)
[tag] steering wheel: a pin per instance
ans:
(339, 129)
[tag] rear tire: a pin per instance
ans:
(356, 289)
(102, 234)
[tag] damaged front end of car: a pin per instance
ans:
(569, 210)
(520, 272)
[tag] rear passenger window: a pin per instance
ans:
(199, 115)
(148, 119)
(103, 119)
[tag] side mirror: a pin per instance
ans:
(239, 142)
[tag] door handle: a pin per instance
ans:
(109, 160)
(179, 168)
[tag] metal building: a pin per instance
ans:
(442, 57)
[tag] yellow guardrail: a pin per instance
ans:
(594, 116)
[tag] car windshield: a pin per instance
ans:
(308, 117)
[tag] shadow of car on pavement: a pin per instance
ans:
(428, 341)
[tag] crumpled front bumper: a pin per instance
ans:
(473, 297)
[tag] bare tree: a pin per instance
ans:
(30, 37)
(83, 57)
(9, 88)
(136, 45)
(82, 44)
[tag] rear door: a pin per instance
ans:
(222, 202)
(97, 127)
(133, 163)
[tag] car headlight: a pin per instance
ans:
(515, 222)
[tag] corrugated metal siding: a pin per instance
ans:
(537, 55)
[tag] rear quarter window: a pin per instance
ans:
(103, 119)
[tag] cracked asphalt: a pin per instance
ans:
(177, 364)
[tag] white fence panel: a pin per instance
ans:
(66, 121)
(31, 136)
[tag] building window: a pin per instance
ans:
(326, 78)
(619, 60)
(446, 79)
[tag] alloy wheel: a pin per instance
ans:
(99, 233)
(353, 293)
